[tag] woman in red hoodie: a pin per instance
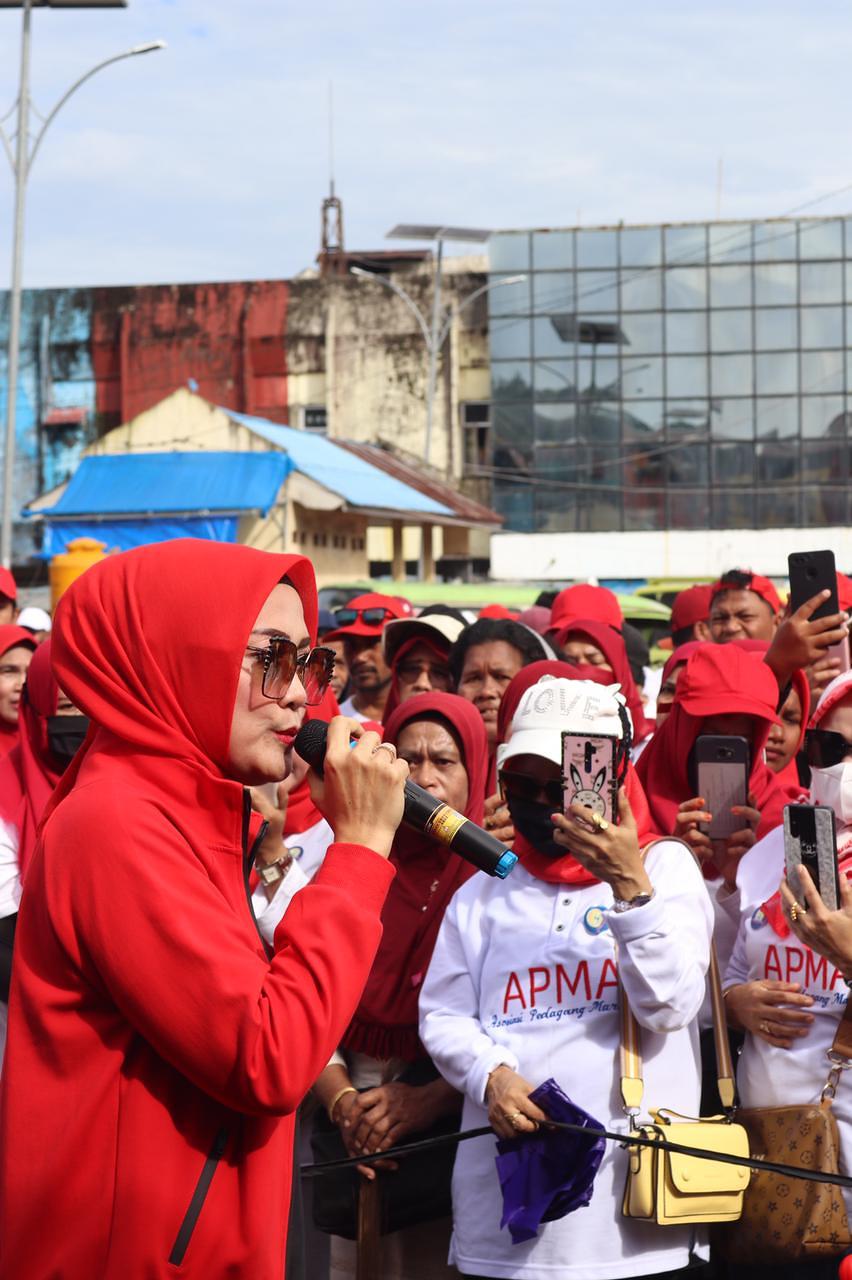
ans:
(158, 1047)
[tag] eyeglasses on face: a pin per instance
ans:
(825, 748)
(523, 787)
(439, 677)
(372, 617)
(282, 662)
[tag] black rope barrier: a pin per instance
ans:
(623, 1139)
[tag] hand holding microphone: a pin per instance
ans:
(357, 788)
(315, 743)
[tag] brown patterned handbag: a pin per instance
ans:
(786, 1219)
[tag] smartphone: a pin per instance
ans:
(810, 572)
(722, 764)
(589, 772)
(810, 841)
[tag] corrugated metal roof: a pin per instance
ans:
(464, 507)
(139, 483)
(357, 482)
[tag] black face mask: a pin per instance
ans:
(532, 820)
(65, 735)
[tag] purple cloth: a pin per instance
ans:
(550, 1173)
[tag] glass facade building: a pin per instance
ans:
(688, 376)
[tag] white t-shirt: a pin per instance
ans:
(524, 973)
(348, 708)
(770, 1077)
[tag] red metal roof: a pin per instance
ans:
(466, 508)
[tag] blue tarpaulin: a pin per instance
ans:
(128, 500)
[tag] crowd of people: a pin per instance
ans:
(386, 991)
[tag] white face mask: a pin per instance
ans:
(833, 787)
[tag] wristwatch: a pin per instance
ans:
(272, 872)
(620, 905)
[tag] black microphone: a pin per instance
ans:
(424, 813)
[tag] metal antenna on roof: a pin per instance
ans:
(331, 258)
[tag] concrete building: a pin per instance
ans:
(670, 399)
(334, 354)
(187, 467)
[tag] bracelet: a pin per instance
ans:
(340, 1093)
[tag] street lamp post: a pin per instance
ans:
(434, 335)
(21, 161)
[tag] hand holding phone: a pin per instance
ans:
(812, 572)
(722, 770)
(589, 773)
(810, 841)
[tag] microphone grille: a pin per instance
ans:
(310, 742)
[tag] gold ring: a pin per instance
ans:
(794, 912)
(599, 822)
(514, 1117)
(386, 746)
(765, 1029)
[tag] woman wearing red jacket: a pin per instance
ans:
(157, 1047)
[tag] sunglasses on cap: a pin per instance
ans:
(524, 787)
(282, 662)
(372, 617)
(824, 748)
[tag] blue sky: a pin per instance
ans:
(209, 160)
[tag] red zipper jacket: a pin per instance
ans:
(156, 1053)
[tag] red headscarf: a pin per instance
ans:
(789, 775)
(680, 656)
(584, 600)
(385, 1022)
(565, 870)
(30, 772)
(719, 679)
(525, 679)
(116, 657)
(11, 637)
(612, 646)
(438, 650)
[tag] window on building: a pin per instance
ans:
(476, 435)
(315, 418)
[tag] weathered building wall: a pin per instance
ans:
(356, 348)
(92, 359)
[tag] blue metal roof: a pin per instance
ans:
(358, 483)
(142, 483)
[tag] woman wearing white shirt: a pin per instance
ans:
(786, 996)
(523, 985)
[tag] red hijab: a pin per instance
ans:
(612, 646)
(385, 1022)
(436, 648)
(134, 633)
(11, 637)
(789, 775)
(680, 656)
(565, 870)
(29, 774)
(719, 679)
(525, 679)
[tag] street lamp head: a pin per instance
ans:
(151, 47)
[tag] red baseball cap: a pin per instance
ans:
(12, 636)
(498, 611)
(353, 620)
(691, 606)
(760, 586)
(597, 604)
(8, 586)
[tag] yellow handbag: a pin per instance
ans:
(666, 1187)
